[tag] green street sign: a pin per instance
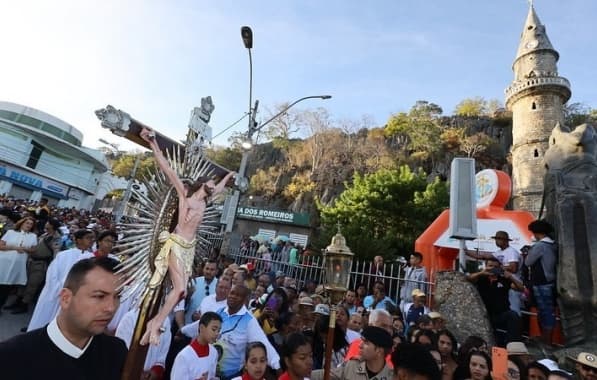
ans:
(273, 216)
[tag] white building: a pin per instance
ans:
(42, 156)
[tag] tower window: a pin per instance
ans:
(534, 106)
(536, 154)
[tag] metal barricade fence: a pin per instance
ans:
(392, 275)
(362, 272)
(311, 268)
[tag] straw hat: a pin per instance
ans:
(502, 235)
(585, 358)
(517, 348)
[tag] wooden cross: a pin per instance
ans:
(122, 124)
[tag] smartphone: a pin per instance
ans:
(272, 303)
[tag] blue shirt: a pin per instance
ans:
(198, 295)
(368, 302)
(237, 331)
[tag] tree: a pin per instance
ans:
(472, 107)
(578, 113)
(281, 129)
(384, 212)
(228, 157)
(418, 132)
(123, 166)
(318, 122)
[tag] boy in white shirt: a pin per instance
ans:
(199, 359)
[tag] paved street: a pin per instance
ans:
(10, 325)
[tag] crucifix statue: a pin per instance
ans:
(174, 217)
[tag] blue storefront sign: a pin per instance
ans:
(32, 181)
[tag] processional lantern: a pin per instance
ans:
(337, 264)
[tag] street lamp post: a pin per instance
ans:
(241, 182)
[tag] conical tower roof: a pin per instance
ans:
(533, 36)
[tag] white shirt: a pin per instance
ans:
(156, 355)
(64, 344)
(189, 366)
(209, 303)
(507, 255)
(351, 336)
(47, 304)
(13, 265)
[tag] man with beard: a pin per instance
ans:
(73, 345)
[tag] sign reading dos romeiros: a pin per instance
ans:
(274, 216)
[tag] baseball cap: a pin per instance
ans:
(377, 336)
(322, 309)
(549, 364)
(418, 293)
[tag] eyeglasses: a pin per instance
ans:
(513, 373)
(206, 290)
(588, 368)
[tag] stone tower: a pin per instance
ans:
(536, 98)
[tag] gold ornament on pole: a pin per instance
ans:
(338, 264)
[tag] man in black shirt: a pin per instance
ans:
(493, 284)
(73, 345)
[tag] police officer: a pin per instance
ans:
(371, 363)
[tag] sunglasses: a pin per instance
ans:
(588, 368)
(513, 373)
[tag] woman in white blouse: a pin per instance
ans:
(15, 246)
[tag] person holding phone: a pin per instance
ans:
(266, 314)
(493, 284)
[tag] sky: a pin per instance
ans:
(156, 59)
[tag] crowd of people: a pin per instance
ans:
(242, 322)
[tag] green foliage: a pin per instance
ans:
(300, 183)
(263, 182)
(228, 157)
(123, 165)
(477, 107)
(383, 213)
(419, 129)
(576, 114)
(472, 107)
(116, 193)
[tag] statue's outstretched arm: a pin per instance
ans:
(148, 136)
(222, 184)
